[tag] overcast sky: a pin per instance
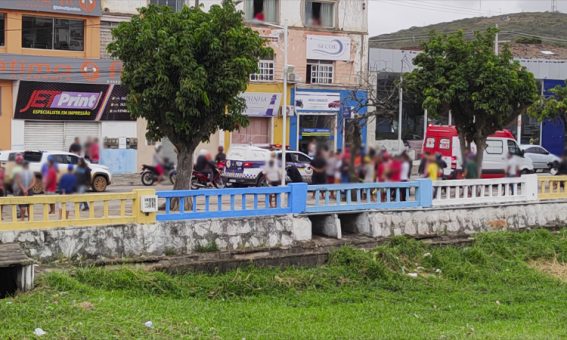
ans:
(386, 16)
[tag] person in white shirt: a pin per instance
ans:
(273, 174)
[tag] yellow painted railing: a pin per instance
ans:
(104, 209)
(552, 187)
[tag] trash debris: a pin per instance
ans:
(86, 305)
(438, 271)
(427, 255)
(414, 275)
(497, 302)
(39, 332)
(149, 324)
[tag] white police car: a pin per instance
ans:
(244, 164)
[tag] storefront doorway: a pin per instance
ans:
(318, 128)
(57, 136)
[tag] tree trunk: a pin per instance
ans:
(184, 174)
(184, 167)
(480, 146)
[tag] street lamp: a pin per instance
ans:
(284, 110)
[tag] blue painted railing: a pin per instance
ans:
(229, 202)
(296, 198)
(368, 196)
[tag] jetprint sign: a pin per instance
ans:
(65, 101)
(78, 7)
(322, 47)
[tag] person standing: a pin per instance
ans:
(432, 168)
(94, 151)
(405, 174)
(471, 168)
(312, 148)
(25, 180)
(76, 147)
(50, 181)
(87, 148)
(512, 167)
(273, 174)
(67, 186)
(83, 173)
(319, 166)
(221, 156)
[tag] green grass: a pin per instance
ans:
(486, 290)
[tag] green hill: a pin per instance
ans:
(534, 27)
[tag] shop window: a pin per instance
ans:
(261, 10)
(319, 72)
(176, 5)
(53, 34)
(2, 28)
(265, 71)
(319, 13)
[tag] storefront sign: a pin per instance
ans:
(63, 101)
(322, 47)
(317, 101)
(262, 104)
(77, 7)
(316, 132)
(56, 69)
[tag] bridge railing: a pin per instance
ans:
(231, 202)
(368, 196)
(53, 211)
(485, 191)
(552, 187)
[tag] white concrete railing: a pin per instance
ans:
(485, 191)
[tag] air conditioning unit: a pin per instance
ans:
(292, 78)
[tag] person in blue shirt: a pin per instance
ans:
(68, 186)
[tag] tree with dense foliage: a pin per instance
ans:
(484, 91)
(184, 72)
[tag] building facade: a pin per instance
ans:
(55, 87)
(387, 65)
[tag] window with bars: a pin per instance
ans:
(265, 71)
(319, 72)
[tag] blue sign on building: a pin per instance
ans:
(321, 115)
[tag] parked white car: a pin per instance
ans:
(101, 176)
(540, 157)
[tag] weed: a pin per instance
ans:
(210, 247)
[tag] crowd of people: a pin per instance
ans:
(331, 167)
(90, 150)
(18, 180)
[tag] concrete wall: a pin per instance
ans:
(186, 237)
(159, 239)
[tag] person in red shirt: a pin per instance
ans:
(94, 152)
(396, 169)
(50, 182)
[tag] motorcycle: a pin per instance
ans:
(150, 175)
(201, 180)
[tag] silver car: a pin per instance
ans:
(541, 158)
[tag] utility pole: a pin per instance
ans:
(496, 42)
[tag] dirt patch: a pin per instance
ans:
(551, 267)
